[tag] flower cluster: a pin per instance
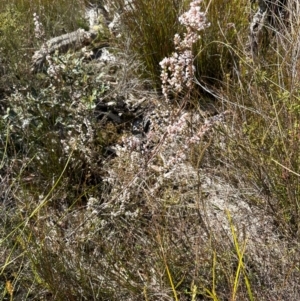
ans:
(178, 70)
(165, 151)
(194, 19)
(183, 134)
(38, 27)
(54, 69)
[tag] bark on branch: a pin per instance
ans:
(74, 40)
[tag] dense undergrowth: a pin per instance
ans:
(203, 204)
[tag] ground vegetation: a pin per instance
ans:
(156, 159)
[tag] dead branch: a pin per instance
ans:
(74, 40)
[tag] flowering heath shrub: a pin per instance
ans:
(178, 70)
(50, 124)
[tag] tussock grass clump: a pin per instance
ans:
(149, 28)
(217, 52)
